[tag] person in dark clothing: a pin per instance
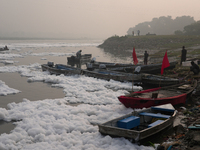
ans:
(194, 68)
(6, 48)
(78, 54)
(183, 54)
(146, 57)
(138, 32)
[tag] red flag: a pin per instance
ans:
(134, 57)
(165, 63)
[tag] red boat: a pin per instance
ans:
(175, 94)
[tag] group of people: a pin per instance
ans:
(138, 33)
(194, 67)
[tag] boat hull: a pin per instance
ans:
(155, 80)
(112, 75)
(151, 68)
(134, 100)
(110, 65)
(2, 49)
(67, 70)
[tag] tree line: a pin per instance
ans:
(184, 25)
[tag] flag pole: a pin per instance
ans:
(135, 61)
(133, 78)
(165, 64)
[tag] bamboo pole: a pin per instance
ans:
(133, 79)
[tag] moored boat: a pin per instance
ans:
(151, 68)
(174, 94)
(108, 75)
(156, 80)
(96, 64)
(4, 49)
(60, 69)
(140, 124)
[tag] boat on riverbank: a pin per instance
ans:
(4, 49)
(97, 64)
(156, 80)
(151, 68)
(174, 94)
(108, 75)
(139, 125)
(60, 69)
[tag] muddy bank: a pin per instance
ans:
(149, 42)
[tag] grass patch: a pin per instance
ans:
(194, 52)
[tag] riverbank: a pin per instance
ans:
(180, 136)
(155, 45)
(150, 42)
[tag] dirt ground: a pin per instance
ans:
(182, 136)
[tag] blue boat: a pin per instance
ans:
(60, 69)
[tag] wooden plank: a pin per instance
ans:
(154, 115)
(155, 123)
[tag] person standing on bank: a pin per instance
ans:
(183, 54)
(146, 57)
(138, 32)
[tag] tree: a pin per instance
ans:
(178, 32)
(193, 29)
(162, 25)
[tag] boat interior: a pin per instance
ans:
(163, 92)
(142, 120)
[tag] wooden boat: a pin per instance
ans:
(156, 80)
(107, 75)
(151, 68)
(4, 49)
(141, 124)
(174, 94)
(60, 69)
(85, 57)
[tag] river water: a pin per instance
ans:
(26, 52)
(43, 51)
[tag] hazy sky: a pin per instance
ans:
(87, 18)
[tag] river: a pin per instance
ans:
(33, 103)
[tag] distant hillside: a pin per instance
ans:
(150, 42)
